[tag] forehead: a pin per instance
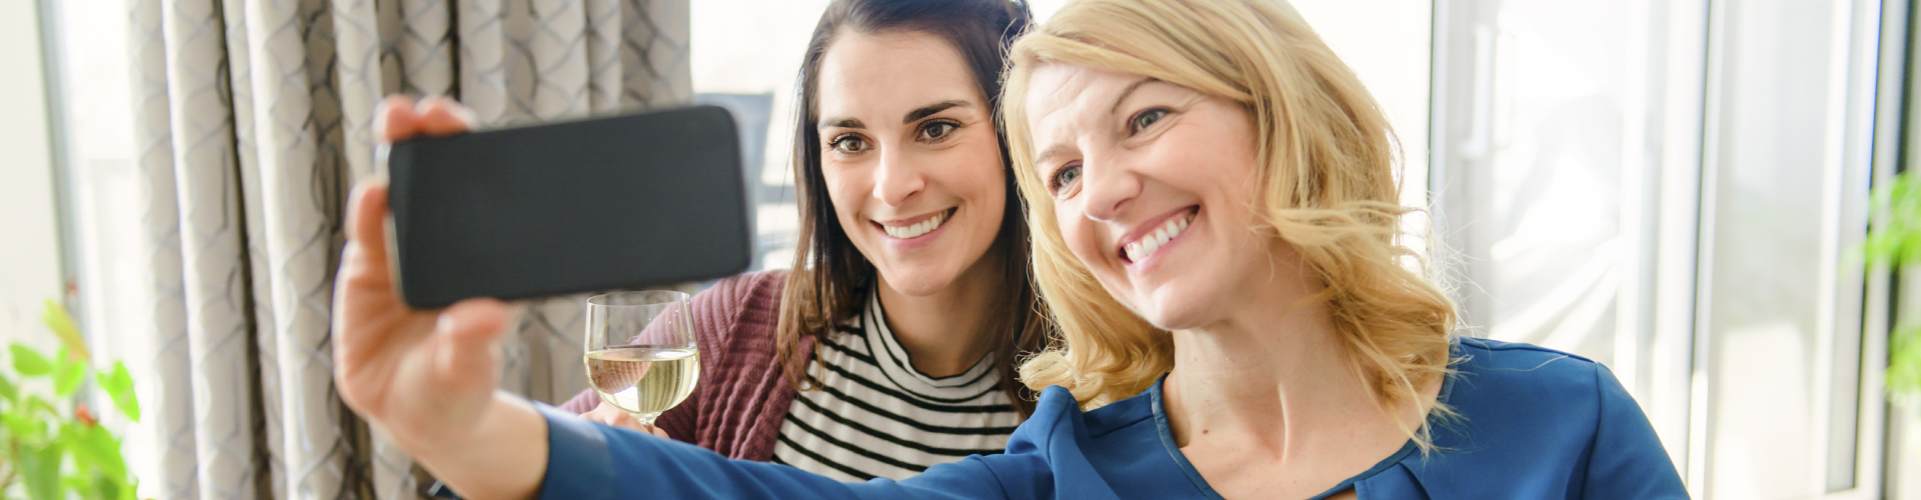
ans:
(1061, 97)
(882, 72)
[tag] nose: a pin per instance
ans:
(1108, 188)
(896, 181)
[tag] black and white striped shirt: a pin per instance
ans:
(875, 415)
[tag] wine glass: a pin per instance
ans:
(641, 356)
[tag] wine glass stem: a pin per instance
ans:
(646, 418)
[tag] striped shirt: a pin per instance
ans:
(874, 415)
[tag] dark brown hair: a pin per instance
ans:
(830, 278)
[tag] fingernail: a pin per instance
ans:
(466, 116)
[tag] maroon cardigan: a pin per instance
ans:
(742, 398)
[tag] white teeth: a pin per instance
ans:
(916, 229)
(1148, 243)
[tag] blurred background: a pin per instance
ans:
(1676, 188)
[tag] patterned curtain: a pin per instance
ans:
(253, 121)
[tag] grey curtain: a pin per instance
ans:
(253, 121)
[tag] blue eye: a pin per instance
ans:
(1146, 118)
(1064, 177)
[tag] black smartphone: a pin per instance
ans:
(606, 203)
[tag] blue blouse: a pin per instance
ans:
(1532, 423)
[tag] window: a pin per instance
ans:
(30, 262)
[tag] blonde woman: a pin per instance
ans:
(1215, 213)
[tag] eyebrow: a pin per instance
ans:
(910, 117)
(1128, 92)
(1050, 152)
(929, 110)
(1058, 148)
(841, 123)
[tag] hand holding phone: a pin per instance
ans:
(425, 376)
(431, 375)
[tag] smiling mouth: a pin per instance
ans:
(1144, 245)
(914, 228)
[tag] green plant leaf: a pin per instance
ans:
(76, 483)
(40, 470)
(57, 319)
(68, 376)
(19, 426)
(47, 410)
(1904, 361)
(119, 385)
(99, 443)
(106, 487)
(7, 391)
(23, 426)
(129, 488)
(28, 362)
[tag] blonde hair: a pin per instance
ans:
(1327, 190)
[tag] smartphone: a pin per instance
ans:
(607, 203)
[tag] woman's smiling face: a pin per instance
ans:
(910, 156)
(1153, 186)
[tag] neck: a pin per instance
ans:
(946, 332)
(1273, 375)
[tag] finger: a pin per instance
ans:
(362, 283)
(440, 116)
(367, 221)
(467, 335)
(620, 418)
(396, 119)
(479, 320)
(655, 430)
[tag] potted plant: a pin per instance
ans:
(54, 446)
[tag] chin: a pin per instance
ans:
(918, 281)
(1170, 308)
(1171, 317)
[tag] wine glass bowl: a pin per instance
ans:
(641, 356)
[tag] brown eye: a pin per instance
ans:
(935, 131)
(848, 144)
(1146, 118)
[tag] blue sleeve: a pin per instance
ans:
(592, 461)
(1626, 459)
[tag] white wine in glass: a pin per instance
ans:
(641, 356)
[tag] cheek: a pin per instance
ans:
(977, 176)
(845, 192)
(991, 195)
(986, 167)
(1079, 235)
